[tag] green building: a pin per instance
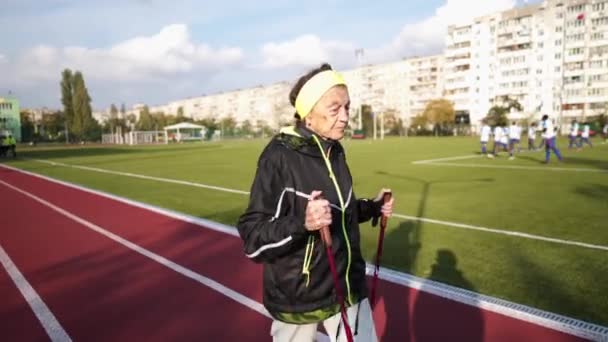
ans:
(10, 122)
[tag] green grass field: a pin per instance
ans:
(566, 201)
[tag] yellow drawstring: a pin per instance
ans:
(343, 212)
(308, 258)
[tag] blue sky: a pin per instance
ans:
(155, 51)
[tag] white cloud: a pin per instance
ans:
(304, 51)
(427, 36)
(167, 53)
(420, 38)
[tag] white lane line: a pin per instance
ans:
(135, 175)
(468, 156)
(504, 232)
(237, 297)
(517, 167)
(214, 285)
(518, 311)
(42, 312)
(439, 222)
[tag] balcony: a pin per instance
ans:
(574, 58)
(514, 48)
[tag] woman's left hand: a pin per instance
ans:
(387, 208)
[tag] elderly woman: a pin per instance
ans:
(302, 185)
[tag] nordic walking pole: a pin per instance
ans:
(385, 198)
(326, 238)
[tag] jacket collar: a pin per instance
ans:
(302, 139)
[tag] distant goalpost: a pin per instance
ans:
(135, 138)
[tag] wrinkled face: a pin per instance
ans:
(329, 116)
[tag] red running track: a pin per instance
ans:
(99, 289)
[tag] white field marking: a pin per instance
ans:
(510, 309)
(439, 222)
(212, 284)
(517, 167)
(504, 232)
(42, 312)
(468, 156)
(135, 175)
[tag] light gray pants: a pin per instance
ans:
(366, 332)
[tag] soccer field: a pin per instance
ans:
(515, 229)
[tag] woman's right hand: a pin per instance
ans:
(318, 212)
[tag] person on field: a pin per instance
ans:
(549, 136)
(303, 184)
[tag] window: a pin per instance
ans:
(558, 42)
(597, 36)
(558, 29)
(600, 6)
(595, 64)
(595, 78)
(599, 21)
(576, 8)
(576, 51)
(575, 37)
(558, 55)
(596, 91)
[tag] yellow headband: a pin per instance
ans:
(314, 89)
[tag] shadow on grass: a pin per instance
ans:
(402, 247)
(594, 191)
(569, 161)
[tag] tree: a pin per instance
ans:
(440, 113)
(497, 115)
(76, 105)
(419, 124)
(53, 125)
(27, 126)
(66, 97)
(81, 103)
(93, 132)
(210, 124)
(228, 126)
(264, 128)
(367, 117)
(180, 115)
(246, 128)
(113, 121)
(145, 122)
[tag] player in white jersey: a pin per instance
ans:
(532, 137)
(497, 144)
(486, 131)
(514, 139)
(504, 139)
(542, 135)
(549, 135)
(585, 135)
(605, 133)
(573, 135)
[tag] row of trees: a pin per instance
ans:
(51, 127)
